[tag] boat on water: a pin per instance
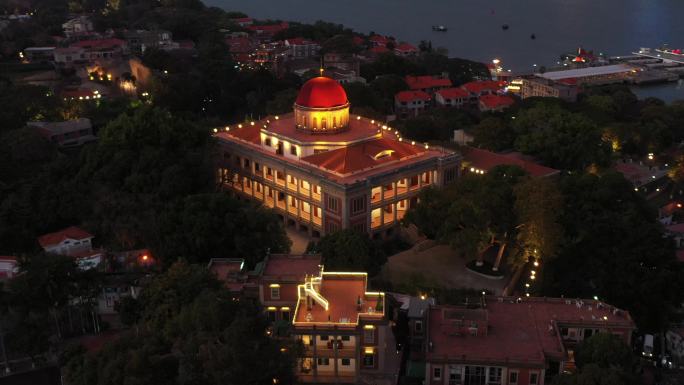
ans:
(439, 28)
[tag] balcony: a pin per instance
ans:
(388, 192)
(317, 221)
(281, 205)
(292, 210)
(316, 196)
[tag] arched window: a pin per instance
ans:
(334, 121)
(304, 120)
(314, 125)
(324, 124)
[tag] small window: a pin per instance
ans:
(275, 293)
(271, 315)
(513, 378)
(324, 337)
(323, 361)
(437, 373)
(285, 315)
(418, 326)
(346, 362)
(267, 142)
(369, 336)
(345, 338)
(534, 378)
(293, 149)
(368, 360)
(333, 204)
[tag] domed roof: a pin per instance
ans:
(321, 92)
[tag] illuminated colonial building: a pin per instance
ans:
(324, 169)
(343, 329)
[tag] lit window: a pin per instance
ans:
(275, 292)
(368, 336)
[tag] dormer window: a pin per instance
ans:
(383, 154)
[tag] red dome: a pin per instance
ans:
(321, 92)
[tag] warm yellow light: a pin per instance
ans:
(274, 285)
(251, 123)
(358, 118)
(285, 308)
(368, 327)
(276, 118)
(271, 308)
(368, 350)
(215, 130)
(144, 257)
(533, 277)
(239, 125)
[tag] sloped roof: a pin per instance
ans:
(408, 96)
(478, 86)
(453, 93)
(363, 155)
(496, 101)
(427, 81)
(57, 237)
(487, 160)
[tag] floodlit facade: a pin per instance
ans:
(324, 169)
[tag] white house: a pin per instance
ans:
(74, 242)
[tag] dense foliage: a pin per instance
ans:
(189, 331)
(349, 250)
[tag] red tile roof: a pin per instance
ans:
(363, 155)
(453, 93)
(292, 265)
(487, 160)
(424, 82)
(71, 232)
(99, 44)
(409, 96)
(524, 333)
(478, 87)
(269, 28)
(379, 39)
(493, 102)
(299, 41)
(405, 47)
(379, 49)
(358, 40)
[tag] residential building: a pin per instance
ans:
(273, 282)
(140, 40)
(66, 134)
(345, 76)
(68, 56)
(267, 31)
(477, 89)
(429, 84)
(302, 48)
(78, 26)
(452, 97)
(243, 21)
(39, 54)
(405, 50)
(342, 61)
(278, 278)
(379, 41)
(495, 103)
(479, 161)
(102, 49)
(409, 104)
(324, 169)
(344, 331)
(9, 267)
(540, 87)
(270, 56)
(74, 242)
(241, 48)
(514, 341)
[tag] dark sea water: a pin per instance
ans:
(614, 27)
